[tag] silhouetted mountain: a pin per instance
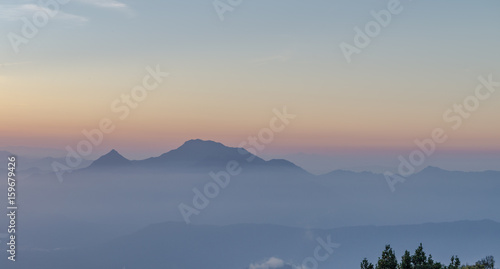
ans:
(436, 171)
(262, 189)
(33, 166)
(111, 159)
(432, 170)
(198, 155)
(201, 153)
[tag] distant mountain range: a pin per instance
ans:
(33, 166)
(88, 220)
(194, 155)
(157, 186)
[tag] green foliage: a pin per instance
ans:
(487, 263)
(419, 259)
(366, 265)
(388, 259)
(472, 267)
(433, 265)
(406, 261)
(454, 263)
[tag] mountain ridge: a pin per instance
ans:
(198, 153)
(194, 154)
(112, 158)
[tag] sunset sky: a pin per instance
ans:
(226, 77)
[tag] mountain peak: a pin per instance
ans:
(114, 152)
(111, 158)
(198, 143)
(196, 154)
(433, 169)
(202, 151)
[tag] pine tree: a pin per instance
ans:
(366, 265)
(388, 259)
(455, 263)
(406, 261)
(419, 259)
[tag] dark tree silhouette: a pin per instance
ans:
(366, 265)
(388, 259)
(406, 261)
(419, 260)
(488, 262)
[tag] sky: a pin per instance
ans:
(226, 76)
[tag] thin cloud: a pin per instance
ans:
(110, 4)
(16, 12)
(274, 263)
(105, 3)
(269, 264)
(13, 11)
